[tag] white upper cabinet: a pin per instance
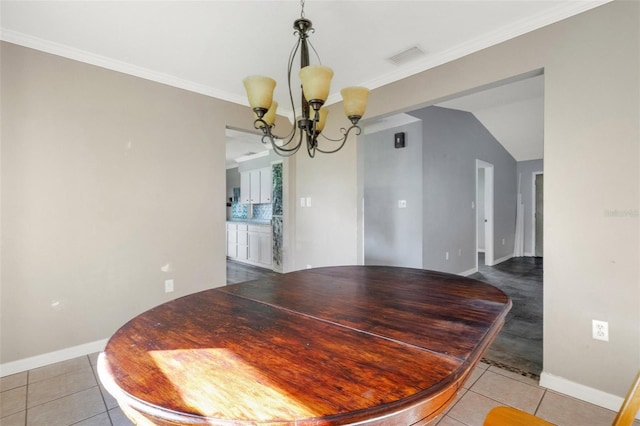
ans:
(256, 186)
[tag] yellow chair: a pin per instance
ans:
(509, 416)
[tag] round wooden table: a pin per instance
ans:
(327, 346)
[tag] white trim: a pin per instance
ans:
(469, 272)
(488, 212)
(582, 392)
(533, 208)
(515, 29)
(65, 354)
(65, 51)
(502, 259)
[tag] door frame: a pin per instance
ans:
(488, 211)
(533, 212)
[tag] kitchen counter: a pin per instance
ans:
(250, 221)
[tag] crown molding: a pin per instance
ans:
(68, 52)
(559, 13)
(518, 28)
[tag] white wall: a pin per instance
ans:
(592, 164)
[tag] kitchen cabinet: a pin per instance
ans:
(237, 241)
(250, 243)
(265, 185)
(260, 245)
(256, 186)
(245, 187)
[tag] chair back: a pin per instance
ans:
(630, 406)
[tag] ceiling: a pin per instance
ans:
(209, 46)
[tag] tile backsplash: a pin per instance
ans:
(239, 211)
(262, 211)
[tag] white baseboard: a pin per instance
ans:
(37, 361)
(582, 392)
(469, 272)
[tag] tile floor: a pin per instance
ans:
(68, 393)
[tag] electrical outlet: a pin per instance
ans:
(168, 286)
(600, 330)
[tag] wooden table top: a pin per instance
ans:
(339, 345)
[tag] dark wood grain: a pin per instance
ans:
(386, 346)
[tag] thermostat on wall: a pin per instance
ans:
(399, 140)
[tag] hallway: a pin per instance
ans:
(518, 347)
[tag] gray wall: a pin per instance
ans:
(111, 184)
(390, 175)
(525, 170)
(453, 140)
(233, 181)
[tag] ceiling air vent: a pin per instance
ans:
(408, 55)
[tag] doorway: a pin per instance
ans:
(484, 212)
(538, 215)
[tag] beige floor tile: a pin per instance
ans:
(101, 419)
(509, 391)
(118, 418)
(58, 369)
(515, 376)
(108, 399)
(16, 419)
(60, 386)
(68, 410)
(472, 409)
(566, 411)
(475, 375)
(93, 358)
(13, 381)
(448, 421)
(13, 401)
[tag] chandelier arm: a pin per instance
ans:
(345, 132)
(314, 49)
(267, 138)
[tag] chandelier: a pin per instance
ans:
(315, 80)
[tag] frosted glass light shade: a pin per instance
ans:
(355, 100)
(270, 116)
(322, 119)
(259, 91)
(316, 80)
